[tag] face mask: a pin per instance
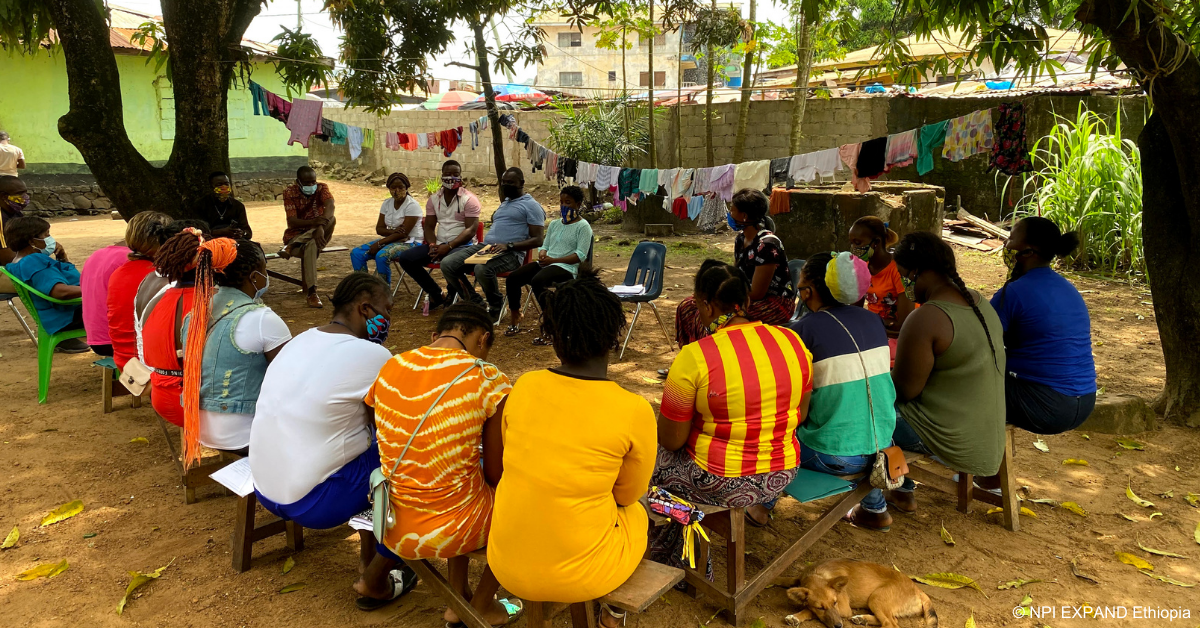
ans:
(308, 190)
(733, 224)
(568, 212)
(863, 253)
(510, 191)
(51, 245)
(451, 183)
(258, 294)
(18, 201)
(1011, 257)
(910, 288)
(222, 190)
(377, 328)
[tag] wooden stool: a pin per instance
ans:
(453, 588)
(966, 491)
(649, 582)
(110, 375)
(246, 531)
(198, 475)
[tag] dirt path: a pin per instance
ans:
(135, 518)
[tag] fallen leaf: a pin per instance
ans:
(1151, 550)
(1135, 499)
(970, 621)
(1167, 495)
(1015, 584)
(1043, 500)
(1128, 518)
(1129, 443)
(1196, 535)
(289, 564)
(295, 586)
(1086, 437)
(90, 535)
(948, 580)
(1073, 507)
(1076, 461)
(48, 570)
(1025, 512)
(1079, 574)
(136, 580)
(140, 439)
(1166, 579)
(992, 511)
(946, 538)
(66, 511)
(10, 541)
(1193, 500)
(1026, 601)
(1041, 446)
(652, 380)
(1155, 514)
(1130, 559)
(758, 623)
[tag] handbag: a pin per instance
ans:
(890, 467)
(135, 376)
(380, 495)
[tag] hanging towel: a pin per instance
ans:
(368, 141)
(849, 154)
(700, 180)
(871, 158)
(810, 166)
(968, 135)
(901, 150)
(339, 135)
(422, 140)
(627, 182)
(779, 171)
(1010, 154)
(648, 182)
(585, 173)
(449, 140)
(391, 140)
(679, 208)
(930, 144)
(354, 136)
(721, 181)
(304, 121)
(695, 204)
(259, 96)
(755, 175)
(280, 108)
(781, 201)
(606, 177)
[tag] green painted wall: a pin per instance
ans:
(33, 95)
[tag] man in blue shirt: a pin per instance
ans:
(518, 225)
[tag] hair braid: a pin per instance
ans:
(352, 286)
(176, 258)
(584, 319)
(952, 274)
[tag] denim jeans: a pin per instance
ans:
(907, 439)
(383, 259)
(814, 460)
(1040, 409)
(455, 271)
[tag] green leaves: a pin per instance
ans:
(136, 580)
(66, 511)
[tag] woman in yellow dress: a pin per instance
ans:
(578, 455)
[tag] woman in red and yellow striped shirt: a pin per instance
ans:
(731, 406)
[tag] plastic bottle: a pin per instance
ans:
(425, 308)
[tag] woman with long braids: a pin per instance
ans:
(730, 408)
(162, 322)
(1051, 383)
(578, 454)
(396, 228)
(145, 233)
(949, 373)
(226, 355)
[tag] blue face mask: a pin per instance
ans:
(308, 190)
(51, 245)
(568, 212)
(258, 294)
(733, 224)
(377, 329)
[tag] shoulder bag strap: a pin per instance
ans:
(866, 377)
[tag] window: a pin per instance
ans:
(570, 79)
(660, 40)
(570, 40)
(660, 79)
(612, 76)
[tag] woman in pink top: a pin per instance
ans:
(93, 280)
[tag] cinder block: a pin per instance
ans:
(1120, 414)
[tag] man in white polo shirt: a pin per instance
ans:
(12, 158)
(451, 217)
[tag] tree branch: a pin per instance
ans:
(464, 65)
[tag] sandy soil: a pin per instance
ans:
(135, 518)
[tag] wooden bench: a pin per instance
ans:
(110, 374)
(246, 530)
(730, 524)
(453, 587)
(965, 488)
(292, 280)
(198, 475)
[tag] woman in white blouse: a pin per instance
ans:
(397, 229)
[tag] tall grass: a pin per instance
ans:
(1088, 180)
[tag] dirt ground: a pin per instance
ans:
(135, 518)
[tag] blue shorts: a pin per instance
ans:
(334, 501)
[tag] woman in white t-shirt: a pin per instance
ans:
(241, 338)
(397, 229)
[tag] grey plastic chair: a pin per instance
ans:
(647, 265)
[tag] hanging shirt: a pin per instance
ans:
(721, 182)
(392, 141)
(258, 96)
(340, 133)
(754, 175)
(871, 158)
(929, 144)
(304, 120)
(354, 135)
(809, 166)
(849, 155)
(628, 182)
(368, 141)
(695, 205)
(700, 180)
(648, 182)
(901, 150)
(606, 177)
(1010, 154)
(422, 140)
(779, 171)
(968, 135)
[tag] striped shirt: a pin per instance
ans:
(741, 389)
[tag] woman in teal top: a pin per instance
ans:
(568, 243)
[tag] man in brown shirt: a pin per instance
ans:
(310, 222)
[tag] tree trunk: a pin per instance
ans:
(804, 56)
(650, 82)
(679, 102)
(1171, 192)
(489, 95)
(739, 144)
(204, 47)
(708, 98)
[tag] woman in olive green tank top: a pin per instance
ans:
(949, 371)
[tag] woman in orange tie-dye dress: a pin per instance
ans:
(441, 496)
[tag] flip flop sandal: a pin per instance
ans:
(606, 609)
(512, 331)
(514, 613)
(403, 580)
(542, 342)
(754, 522)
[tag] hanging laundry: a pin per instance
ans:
(522, 137)
(449, 140)
(929, 144)
(648, 183)
(1010, 154)
(871, 158)
(779, 171)
(354, 136)
(606, 177)
(781, 201)
(551, 165)
(628, 180)
(434, 140)
(280, 108)
(700, 180)
(482, 122)
(968, 135)
(810, 166)
(368, 141)
(258, 96)
(680, 208)
(304, 121)
(507, 120)
(339, 134)
(721, 181)
(849, 154)
(754, 175)
(422, 140)
(664, 180)
(474, 129)
(695, 205)
(392, 140)
(568, 169)
(712, 215)
(585, 173)
(901, 150)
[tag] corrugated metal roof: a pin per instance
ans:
(125, 22)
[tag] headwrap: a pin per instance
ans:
(847, 278)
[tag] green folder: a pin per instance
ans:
(813, 485)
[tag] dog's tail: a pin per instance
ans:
(931, 618)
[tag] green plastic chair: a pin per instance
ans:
(45, 340)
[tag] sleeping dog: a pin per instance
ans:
(831, 590)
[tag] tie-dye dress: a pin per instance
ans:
(441, 503)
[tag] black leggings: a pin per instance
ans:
(1040, 409)
(540, 278)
